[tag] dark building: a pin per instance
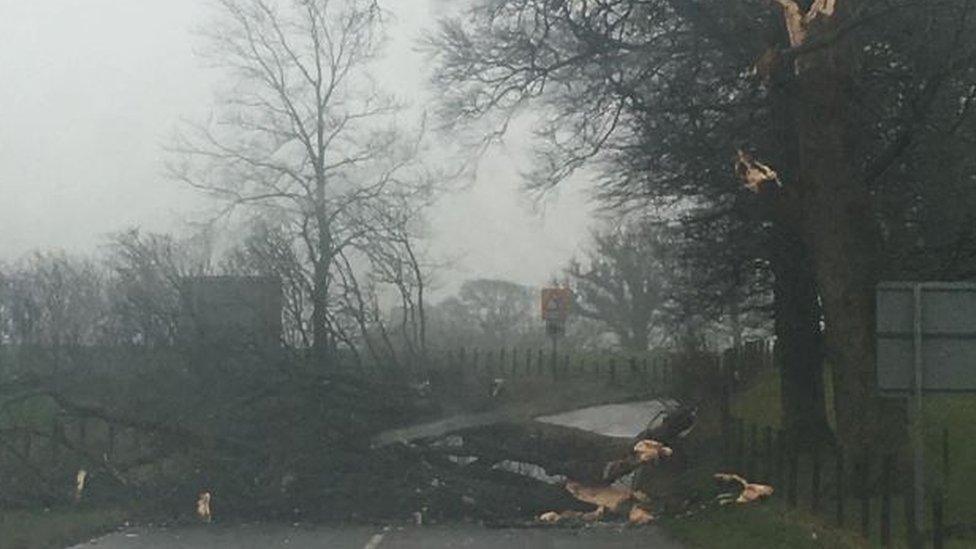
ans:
(231, 311)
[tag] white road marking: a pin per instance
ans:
(374, 541)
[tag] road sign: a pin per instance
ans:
(946, 336)
(556, 303)
(926, 342)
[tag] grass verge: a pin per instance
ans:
(55, 528)
(768, 525)
(950, 445)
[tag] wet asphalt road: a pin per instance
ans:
(265, 536)
(624, 420)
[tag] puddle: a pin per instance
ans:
(614, 420)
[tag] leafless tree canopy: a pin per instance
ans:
(304, 136)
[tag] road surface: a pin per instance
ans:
(624, 420)
(265, 536)
(615, 420)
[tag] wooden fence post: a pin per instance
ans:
(613, 371)
(740, 444)
(514, 369)
(633, 367)
(864, 488)
(780, 457)
(839, 481)
(815, 480)
(886, 500)
(794, 466)
(752, 469)
(945, 454)
(912, 531)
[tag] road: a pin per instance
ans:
(613, 420)
(254, 536)
(622, 420)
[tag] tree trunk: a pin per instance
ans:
(799, 348)
(577, 454)
(799, 343)
(842, 236)
(321, 333)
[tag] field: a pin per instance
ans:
(950, 450)
(55, 528)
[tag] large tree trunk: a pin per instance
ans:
(579, 455)
(799, 345)
(842, 235)
(796, 304)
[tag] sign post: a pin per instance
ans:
(926, 342)
(556, 303)
(918, 422)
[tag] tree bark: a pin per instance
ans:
(799, 342)
(321, 333)
(577, 454)
(799, 349)
(842, 236)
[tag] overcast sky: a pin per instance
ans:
(92, 89)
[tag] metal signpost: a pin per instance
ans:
(926, 335)
(556, 303)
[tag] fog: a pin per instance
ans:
(287, 288)
(93, 91)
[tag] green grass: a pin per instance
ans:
(956, 414)
(768, 525)
(760, 405)
(54, 528)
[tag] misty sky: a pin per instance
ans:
(93, 89)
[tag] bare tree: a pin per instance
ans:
(149, 271)
(54, 299)
(624, 281)
(503, 311)
(270, 250)
(397, 261)
(304, 133)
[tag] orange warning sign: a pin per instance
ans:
(556, 303)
